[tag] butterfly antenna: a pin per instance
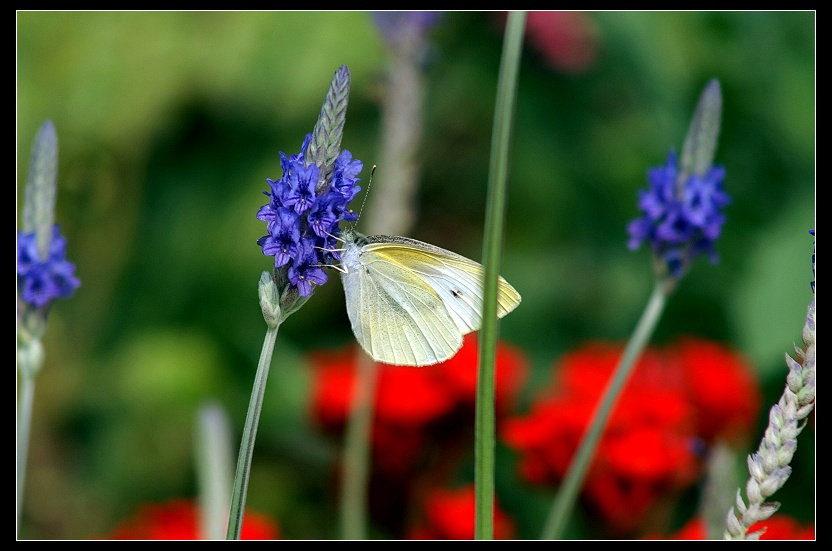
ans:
(366, 193)
(336, 267)
(336, 238)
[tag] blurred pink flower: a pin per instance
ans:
(567, 40)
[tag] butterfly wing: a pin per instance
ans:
(456, 279)
(395, 315)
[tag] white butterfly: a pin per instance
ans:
(409, 302)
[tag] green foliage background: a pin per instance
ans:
(169, 124)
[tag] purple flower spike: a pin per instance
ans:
(680, 220)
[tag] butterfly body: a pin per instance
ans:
(410, 302)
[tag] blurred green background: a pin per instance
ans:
(169, 124)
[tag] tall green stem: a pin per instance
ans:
(24, 421)
(357, 447)
(240, 489)
(492, 252)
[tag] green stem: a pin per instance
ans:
(357, 452)
(238, 493)
(565, 500)
(492, 251)
(24, 420)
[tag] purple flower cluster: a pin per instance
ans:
(681, 219)
(812, 232)
(302, 224)
(42, 281)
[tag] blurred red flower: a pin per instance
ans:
(459, 374)
(722, 387)
(423, 419)
(176, 519)
(567, 41)
(450, 515)
(404, 395)
(649, 447)
(409, 401)
(778, 527)
(646, 450)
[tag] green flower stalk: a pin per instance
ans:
(769, 465)
(682, 218)
(391, 210)
(492, 254)
(357, 454)
(43, 274)
(305, 207)
(717, 490)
